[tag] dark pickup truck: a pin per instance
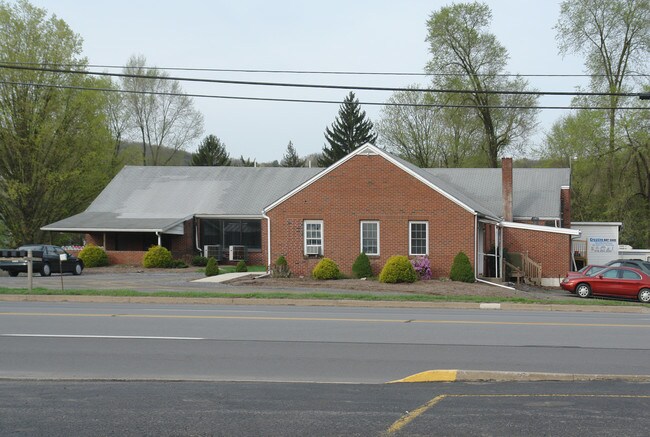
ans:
(47, 259)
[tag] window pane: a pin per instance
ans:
(418, 238)
(370, 238)
(627, 274)
(251, 234)
(231, 232)
(611, 273)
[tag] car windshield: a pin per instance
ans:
(593, 270)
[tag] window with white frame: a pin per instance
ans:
(370, 237)
(418, 238)
(313, 237)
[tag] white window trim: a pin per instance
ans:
(411, 238)
(361, 236)
(322, 236)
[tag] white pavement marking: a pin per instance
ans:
(119, 337)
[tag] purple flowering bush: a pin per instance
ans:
(422, 267)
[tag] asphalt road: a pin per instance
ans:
(294, 409)
(308, 344)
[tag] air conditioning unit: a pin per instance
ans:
(212, 250)
(314, 250)
(237, 253)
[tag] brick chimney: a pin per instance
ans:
(506, 188)
(565, 202)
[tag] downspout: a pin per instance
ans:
(196, 235)
(268, 242)
(476, 246)
(159, 238)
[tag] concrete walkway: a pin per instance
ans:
(228, 276)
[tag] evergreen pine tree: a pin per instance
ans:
(291, 158)
(350, 130)
(211, 152)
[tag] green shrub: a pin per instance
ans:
(93, 256)
(281, 268)
(461, 269)
(179, 264)
(241, 267)
(361, 267)
(212, 267)
(199, 261)
(326, 269)
(398, 268)
(158, 256)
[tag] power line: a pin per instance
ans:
(321, 72)
(337, 102)
(318, 86)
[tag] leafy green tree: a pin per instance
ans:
(417, 127)
(55, 147)
(291, 158)
(211, 152)
(350, 130)
(160, 115)
(471, 58)
(614, 37)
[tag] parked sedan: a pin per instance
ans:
(588, 270)
(50, 262)
(644, 266)
(613, 282)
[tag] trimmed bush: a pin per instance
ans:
(158, 257)
(326, 269)
(398, 268)
(212, 267)
(93, 256)
(281, 268)
(461, 269)
(241, 267)
(361, 267)
(422, 267)
(199, 261)
(179, 264)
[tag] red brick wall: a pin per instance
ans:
(549, 249)
(370, 188)
(565, 200)
(126, 257)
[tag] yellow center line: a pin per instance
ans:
(328, 319)
(412, 415)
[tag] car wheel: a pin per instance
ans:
(583, 290)
(644, 295)
(77, 269)
(12, 273)
(46, 270)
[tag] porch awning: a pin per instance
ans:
(113, 222)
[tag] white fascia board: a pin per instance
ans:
(99, 230)
(539, 228)
(368, 149)
(597, 223)
(228, 216)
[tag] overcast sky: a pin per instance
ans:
(332, 35)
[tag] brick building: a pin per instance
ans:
(369, 201)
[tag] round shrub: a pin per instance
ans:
(461, 269)
(212, 267)
(398, 268)
(93, 256)
(241, 267)
(326, 269)
(179, 264)
(361, 267)
(158, 257)
(422, 267)
(199, 261)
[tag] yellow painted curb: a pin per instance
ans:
(431, 376)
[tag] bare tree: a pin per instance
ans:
(159, 112)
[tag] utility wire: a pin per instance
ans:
(319, 86)
(337, 102)
(322, 72)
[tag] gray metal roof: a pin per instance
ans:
(535, 191)
(156, 198)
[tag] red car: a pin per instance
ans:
(612, 281)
